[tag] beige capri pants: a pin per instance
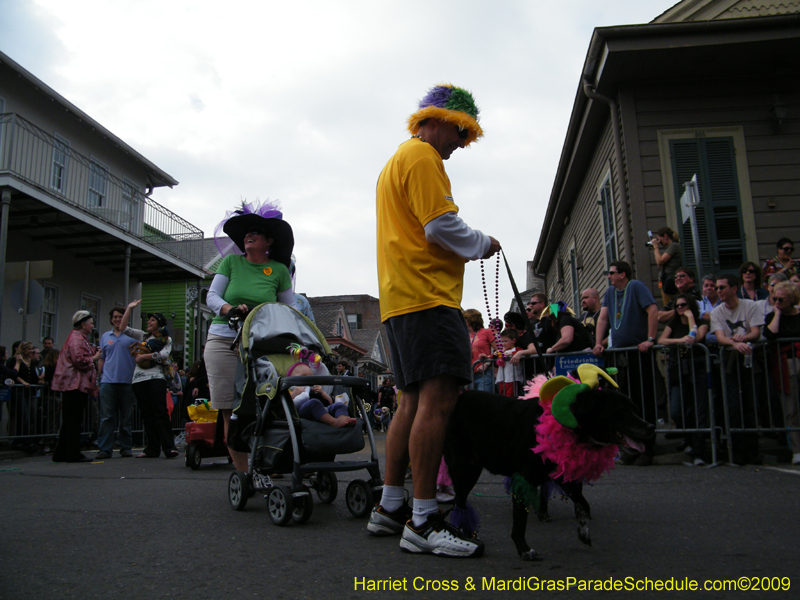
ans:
(221, 364)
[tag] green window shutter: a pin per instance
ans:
(719, 214)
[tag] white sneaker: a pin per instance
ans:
(796, 458)
(382, 522)
(438, 537)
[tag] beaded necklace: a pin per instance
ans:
(496, 300)
(419, 137)
(618, 319)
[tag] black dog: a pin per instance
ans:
(488, 431)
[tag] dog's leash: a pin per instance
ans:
(540, 363)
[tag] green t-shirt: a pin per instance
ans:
(250, 283)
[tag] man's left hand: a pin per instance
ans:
(645, 346)
(494, 248)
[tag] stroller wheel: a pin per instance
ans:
(358, 498)
(193, 457)
(303, 507)
(238, 490)
(279, 505)
(327, 486)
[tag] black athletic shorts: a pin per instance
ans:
(428, 343)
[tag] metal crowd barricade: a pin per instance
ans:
(761, 396)
(29, 411)
(34, 412)
(639, 377)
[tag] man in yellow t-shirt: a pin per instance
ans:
(422, 248)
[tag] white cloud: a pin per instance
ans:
(305, 102)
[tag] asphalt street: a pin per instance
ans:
(136, 528)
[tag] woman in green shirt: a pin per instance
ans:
(257, 251)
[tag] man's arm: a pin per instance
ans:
(724, 340)
(126, 316)
(451, 233)
(600, 331)
(753, 335)
(652, 327)
(664, 316)
(520, 353)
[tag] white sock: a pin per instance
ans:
(423, 508)
(393, 497)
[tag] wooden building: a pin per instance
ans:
(709, 88)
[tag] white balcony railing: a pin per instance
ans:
(48, 163)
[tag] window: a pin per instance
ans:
(49, 312)
(573, 273)
(98, 178)
(719, 213)
(58, 177)
(339, 328)
(354, 321)
(91, 304)
(607, 211)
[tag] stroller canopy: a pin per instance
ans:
(271, 327)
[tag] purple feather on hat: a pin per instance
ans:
(266, 209)
(436, 96)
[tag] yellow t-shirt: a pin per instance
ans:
(414, 274)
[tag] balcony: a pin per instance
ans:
(60, 189)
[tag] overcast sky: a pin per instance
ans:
(304, 102)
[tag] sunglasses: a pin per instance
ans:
(680, 276)
(681, 305)
(788, 249)
(463, 133)
(612, 272)
(255, 232)
(779, 299)
(751, 271)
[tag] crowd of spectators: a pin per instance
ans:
(81, 396)
(740, 317)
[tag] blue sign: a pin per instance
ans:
(565, 364)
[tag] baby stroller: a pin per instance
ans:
(266, 424)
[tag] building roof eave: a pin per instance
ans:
(637, 52)
(156, 176)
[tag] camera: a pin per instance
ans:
(649, 243)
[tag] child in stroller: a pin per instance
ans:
(265, 423)
(314, 403)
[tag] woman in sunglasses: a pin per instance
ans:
(783, 261)
(686, 368)
(257, 245)
(784, 322)
(751, 289)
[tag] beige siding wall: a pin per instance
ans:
(770, 182)
(32, 105)
(585, 229)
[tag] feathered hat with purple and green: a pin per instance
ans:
(452, 104)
